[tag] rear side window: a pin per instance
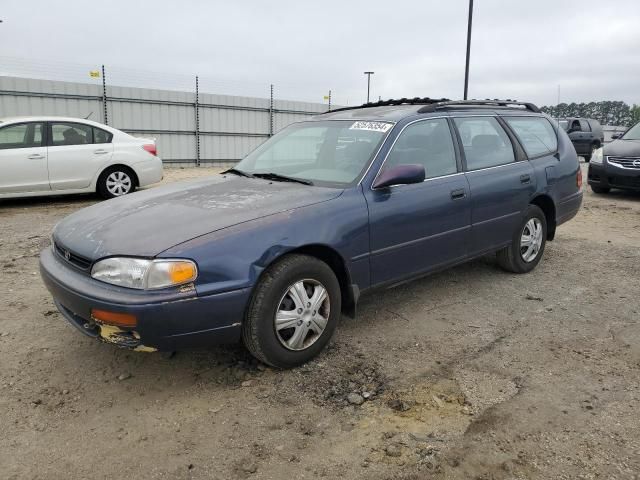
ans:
(101, 136)
(24, 135)
(71, 134)
(536, 134)
(584, 126)
(426, 143)
(485, 142)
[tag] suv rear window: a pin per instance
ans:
(536, 134)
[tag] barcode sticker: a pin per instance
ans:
(373, 126)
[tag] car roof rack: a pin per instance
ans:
(480, 103)
(432, 104)
(392, 102)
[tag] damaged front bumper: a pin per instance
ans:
(172, 319)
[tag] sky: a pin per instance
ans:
(585, 50)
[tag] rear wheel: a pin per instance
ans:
(115, 182)
(293, 311)
(600, 189)
(527, 244)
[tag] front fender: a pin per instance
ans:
(234, 257)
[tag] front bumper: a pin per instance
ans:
(168, 320)
(610, 176)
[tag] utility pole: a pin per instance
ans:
(368, 74)
(466, 70)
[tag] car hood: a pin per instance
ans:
(148, 222)
(623, 148)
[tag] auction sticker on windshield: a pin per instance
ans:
(373, 126)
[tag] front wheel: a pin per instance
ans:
(293, 312)
(527, 244)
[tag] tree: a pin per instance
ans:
(606, 112)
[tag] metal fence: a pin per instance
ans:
(189, 126)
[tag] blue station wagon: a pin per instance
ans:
(273, 251)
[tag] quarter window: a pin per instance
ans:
(485, 142)
(535, 133)
(426, 143)
(101, 136)
(71, 134)
(24, 135)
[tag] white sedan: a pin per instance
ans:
(56, 155)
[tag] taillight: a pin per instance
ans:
(579, 178)
(151, 149)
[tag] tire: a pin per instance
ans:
(274, 295)
(513, 258)
(116, 182)
(600, 190)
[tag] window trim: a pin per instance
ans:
(456, 151)
(59, 122)
(518, 153)
(43, 135)
(535, 157)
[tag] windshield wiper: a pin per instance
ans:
(282, 178)
(238, 172)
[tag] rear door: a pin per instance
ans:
(75, 154)
(23, 158)
(501, 181)
(580, 135)
(420, 227)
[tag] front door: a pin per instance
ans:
(23, 158)
(420, 227)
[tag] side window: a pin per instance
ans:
(24, 135)
(101, 136)
(70, 134)
(427, 143)
(584, 126)
(485, 142)
(535, 133)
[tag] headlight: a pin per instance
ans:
(144, 274)
(596, 156)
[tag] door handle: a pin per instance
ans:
(525, 178)
(100, 152)
(35, 156)
(457, 194)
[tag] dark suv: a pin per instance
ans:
(617, 164)
(275, 249)
(585, 133)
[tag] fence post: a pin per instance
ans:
(197, 124)
(104, 98)
(271, 112)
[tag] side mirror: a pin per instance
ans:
(616, 136)
(400, 175)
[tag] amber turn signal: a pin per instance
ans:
(579, 178)
(181, 272)
(113, 318)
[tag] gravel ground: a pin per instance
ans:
(471, 373)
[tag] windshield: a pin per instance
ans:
(633, 133)
(329, 153)
(564, 124)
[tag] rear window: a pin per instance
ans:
(536, 134)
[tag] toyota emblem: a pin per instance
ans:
(67, 254)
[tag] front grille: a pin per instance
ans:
(77, 261)
(625, 162)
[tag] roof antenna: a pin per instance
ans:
(87, 117)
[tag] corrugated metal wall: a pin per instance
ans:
(229, 126)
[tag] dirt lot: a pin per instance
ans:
(471, 373)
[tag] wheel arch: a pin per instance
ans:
(349, 292)
(548, 206)
(134, 175)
